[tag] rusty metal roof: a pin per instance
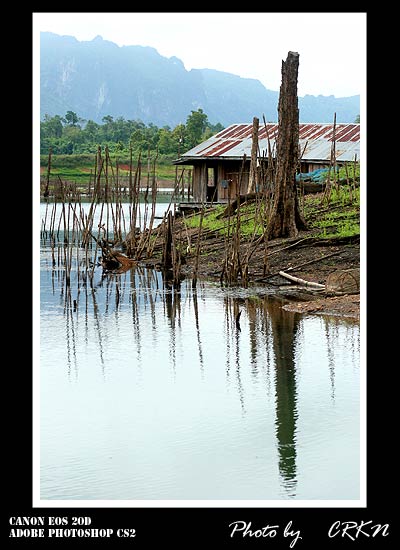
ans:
(315, 141)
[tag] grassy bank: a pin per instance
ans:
(338, 218)
(232, 249)
(77, 168)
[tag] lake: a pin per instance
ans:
(149, 393)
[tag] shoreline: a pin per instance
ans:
(306, 258)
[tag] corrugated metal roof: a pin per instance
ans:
(315, 142)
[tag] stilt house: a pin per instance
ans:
(218, 163)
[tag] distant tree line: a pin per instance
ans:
(69, 134)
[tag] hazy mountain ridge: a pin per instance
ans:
(99, 78)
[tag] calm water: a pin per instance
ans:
(106, 214)
(148, 393)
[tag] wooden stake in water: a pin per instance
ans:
(196, 264)
(46, 191)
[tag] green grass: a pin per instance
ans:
(76, 168)
(220, 226)
(338, 219)
(350, 172)
(210, 221)
(71, 175)
(68, 161)
(345, 229)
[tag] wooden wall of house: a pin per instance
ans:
(199, 182)
(229, 171)
(306, 167)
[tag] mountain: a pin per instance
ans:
(99, 78)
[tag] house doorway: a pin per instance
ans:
(212, 188)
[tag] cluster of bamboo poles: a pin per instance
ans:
(235, 267)
(332, 179)
(71, 230)
(109, 223)
(262, 180)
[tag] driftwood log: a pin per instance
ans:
(339, 282)
(301, 281)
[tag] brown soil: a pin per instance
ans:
(343, 306)
(305, 257)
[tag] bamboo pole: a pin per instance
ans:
(197, 257)
(252, 184)
(332, 164)
(46, 191)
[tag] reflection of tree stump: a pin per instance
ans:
(344, 281)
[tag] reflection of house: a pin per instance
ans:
(218, 161)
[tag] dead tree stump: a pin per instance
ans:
(286, 218)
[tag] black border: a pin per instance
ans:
(186, 527)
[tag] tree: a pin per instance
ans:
(196, 125)
(108, 119)
(215, 128)
(66, 135)
(91, 131)
(357, 119)
(166, 144)
(71, 118)
(179, 136)
(51, 127)
(286, 218)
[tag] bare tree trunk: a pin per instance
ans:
(286, 218)
(253, 161)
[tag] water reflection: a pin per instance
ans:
(172, 303)
(268, 321)
(196, 317)
(140, 312)
(284, 326)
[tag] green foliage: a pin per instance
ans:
(71, 118)
(51, 127)
(353, 172)
(71, 135)
(196, 125)
(68, 161)
(340, 219)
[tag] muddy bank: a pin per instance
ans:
(342, 306)
(306, 256)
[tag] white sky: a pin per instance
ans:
(332, 46)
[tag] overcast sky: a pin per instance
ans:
(332, 46)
